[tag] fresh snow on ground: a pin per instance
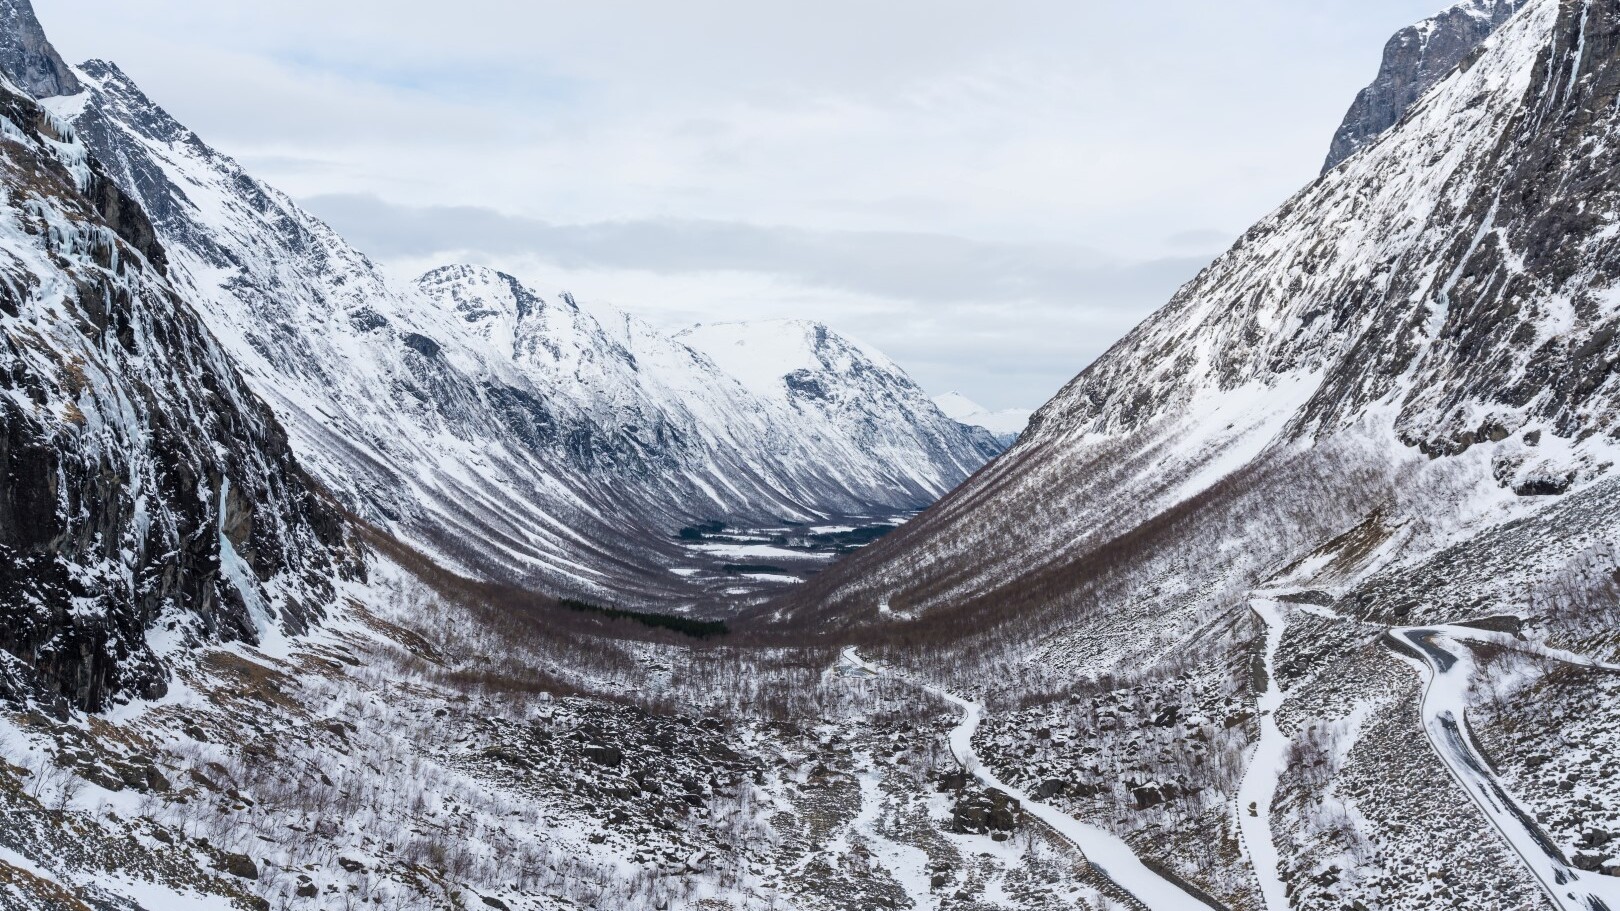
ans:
(757, 551)
(1107, 852)
(1266, 766)
(1449, 668)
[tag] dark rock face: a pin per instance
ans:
(239, 865)
(1414, 60)
(139, 479)
(27, 57)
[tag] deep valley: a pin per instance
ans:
(322, 590)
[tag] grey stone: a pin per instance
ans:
(1417, 58)
(27, 56)
(239, 865)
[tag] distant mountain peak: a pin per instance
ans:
(28, 57)
(766, 355)
(1006, 424)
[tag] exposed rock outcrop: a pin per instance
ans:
(1414, 60)
(28, 57)
(140, 482)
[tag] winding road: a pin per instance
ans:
(1440, 653)
(1108, 854)
(1259, 786)
(1448, 665)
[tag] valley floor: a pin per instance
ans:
(369, 766)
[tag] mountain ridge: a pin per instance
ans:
(1416, 58)
(143, 482)
(1306, 594)
(422, 427)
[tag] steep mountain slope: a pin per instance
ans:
(758, 445)
(1394, 402)
(26, 55)
(1007, 424)
(421, 423)
(1306, 594)
(1414, 60)
(848, 397)
(1413, 304)
(424, 427)
(141, 483)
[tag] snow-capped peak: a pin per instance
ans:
(777, 358)
(1006, 424)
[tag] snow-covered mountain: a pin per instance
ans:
(821, 425)
(1304, 596)
(838, 391)
(552, 458)
(1414, 60)
(1006, 424)
(1394, 402)
(142, 484)
(1407, 301)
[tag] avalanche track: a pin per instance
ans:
(1108, 854)
(1440, 653)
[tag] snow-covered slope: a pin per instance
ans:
(1409, 300)
(1007, 424)
(562, 452)
(843, 394)
(1306, 595)
(141, 482)
(751, 443)
(1394, 402)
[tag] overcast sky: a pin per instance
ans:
(992, 193)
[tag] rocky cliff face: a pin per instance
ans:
(146, 493)
(1414, 60)
(27, 56)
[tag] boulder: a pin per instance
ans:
(1592, 863)
(978, 813)
(1147, 796)
(239, 865)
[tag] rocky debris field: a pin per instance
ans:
(1157, 762)
(1549, 730)
(357, 769)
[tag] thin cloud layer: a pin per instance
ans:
(915, 268)
(1032, 176)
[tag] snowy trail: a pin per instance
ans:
(1266, 764)
(1108, 853)
(1449, 668)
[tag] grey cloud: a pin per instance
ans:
(1200, 239)
(914, 267)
